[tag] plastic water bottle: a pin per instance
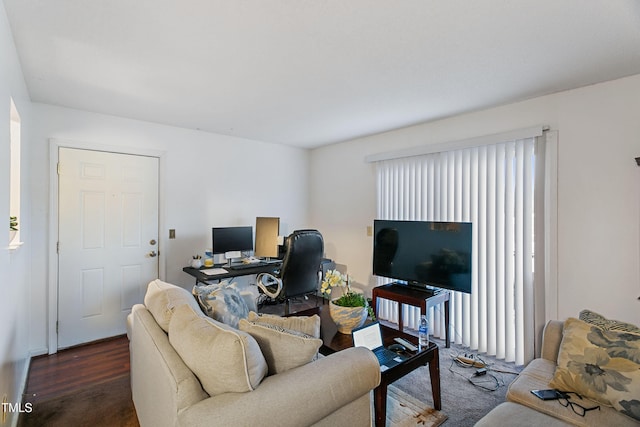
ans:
(423, 333)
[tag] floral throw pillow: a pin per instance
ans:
(601, 365)
(223, 302)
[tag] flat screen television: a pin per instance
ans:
(232, 239)
(424, 253)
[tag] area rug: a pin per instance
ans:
(404, 410)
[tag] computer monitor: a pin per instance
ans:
(232, 241)
(267, 231)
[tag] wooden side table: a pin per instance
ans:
(424, 299)
(334, 341)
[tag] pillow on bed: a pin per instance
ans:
(601, 365)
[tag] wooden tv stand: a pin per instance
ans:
(424, 299)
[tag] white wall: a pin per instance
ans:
(598, 190)
(14, 265)
(207, 180)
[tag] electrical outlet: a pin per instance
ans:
(172, 233)
(369, 231)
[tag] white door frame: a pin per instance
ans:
(54, 145)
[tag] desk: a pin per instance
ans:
(404, 294)
(249, 271)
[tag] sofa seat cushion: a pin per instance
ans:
(515, 415)
(162, 298)
(309, 325)
(223, 358)
(603, 365)
(538, 375)
(282, 348)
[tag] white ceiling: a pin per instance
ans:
(313, 72)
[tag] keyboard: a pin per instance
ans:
(385, 356)
(245, 266)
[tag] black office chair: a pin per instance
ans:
(300, 271)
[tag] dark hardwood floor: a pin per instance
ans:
(73, 369)
(88, 385)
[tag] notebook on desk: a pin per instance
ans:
(214, 271)
(370, 336)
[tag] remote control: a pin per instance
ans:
(406, 344)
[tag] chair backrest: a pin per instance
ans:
(301, 264)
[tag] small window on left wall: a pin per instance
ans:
(14, 178)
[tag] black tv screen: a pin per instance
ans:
(424, 253)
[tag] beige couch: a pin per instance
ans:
(330, 391)
(524, 409)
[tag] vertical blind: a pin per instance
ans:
(491, 186)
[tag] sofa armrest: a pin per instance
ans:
(161, 384)
(551, 339)
(300, 396)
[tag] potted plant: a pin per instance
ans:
(13, 227)
(350, 310)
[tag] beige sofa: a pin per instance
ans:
(524, 409)
(330, 391)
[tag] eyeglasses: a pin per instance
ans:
(578, 409)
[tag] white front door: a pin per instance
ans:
(107, 237)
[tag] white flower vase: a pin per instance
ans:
(12, 235)
(347, 318)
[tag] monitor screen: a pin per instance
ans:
(267, 231)
(424, 253)
(232, 239)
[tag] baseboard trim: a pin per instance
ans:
(38, 352)
(21, 389)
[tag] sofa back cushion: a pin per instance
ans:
(162, 298)
(224, 359)
(602, 365)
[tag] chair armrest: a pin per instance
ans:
(551, 339)
(269, 284)
(300, 396)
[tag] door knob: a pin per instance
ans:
(153, 254)
(152, 242)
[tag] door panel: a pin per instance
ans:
(108, 226)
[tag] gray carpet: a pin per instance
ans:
(463, 402)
